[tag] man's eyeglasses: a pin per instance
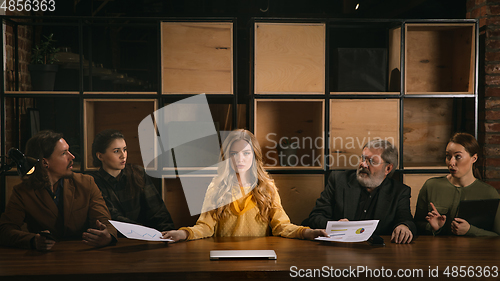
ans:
(372, 160)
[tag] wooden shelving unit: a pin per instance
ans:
(410, 82)
(177, 58)
(118, 114)
(309, 81)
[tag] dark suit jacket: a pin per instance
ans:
(341, 196)
(83, 205)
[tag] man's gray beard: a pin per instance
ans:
(371, 181)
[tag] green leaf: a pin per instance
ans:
(44, 52)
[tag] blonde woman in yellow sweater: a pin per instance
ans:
(242, 199)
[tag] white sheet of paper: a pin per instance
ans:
(349, 231)
(134, 231)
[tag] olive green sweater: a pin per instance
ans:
(446, 197)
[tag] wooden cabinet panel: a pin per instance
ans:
(197, 57)
(416, 181)
(300, 123)
(289, 58)
(355, 122)
(440, 58)
(175, 199)
(298, 194)
(119, 114)
(428, 125)
(202, 152)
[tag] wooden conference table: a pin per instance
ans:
(140, 260)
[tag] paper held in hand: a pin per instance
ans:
(134, 231)
(349, 231)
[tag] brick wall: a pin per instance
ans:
(488, 13)
(25, 37)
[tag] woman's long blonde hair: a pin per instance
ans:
(221, 190)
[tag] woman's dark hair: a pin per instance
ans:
(102, 142)
(471, 145)
(41, 146)
(135, 177)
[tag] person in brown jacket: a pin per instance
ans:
(54, 202)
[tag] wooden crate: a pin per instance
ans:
(223, 115)
(427, 129)
(119, 114)
(298, 194)
(196, 154)
(362, 56)
(394, 60)
(302, 121)
(174, 198)
(355, 122)
(416, 181)
(197, 57)
(440, 58)
(289, 58)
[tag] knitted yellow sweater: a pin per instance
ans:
(242, 221)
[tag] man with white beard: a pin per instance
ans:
(368, 193)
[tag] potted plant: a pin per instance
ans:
(42, 67)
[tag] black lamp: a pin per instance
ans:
(25, 165)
